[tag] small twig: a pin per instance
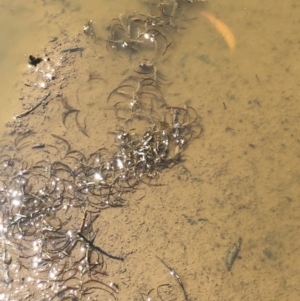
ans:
(83, 221)
(173, 273)
(92, 246)
(33, 107)
(90, 243)
(74, 49)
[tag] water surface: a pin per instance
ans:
(240, 178)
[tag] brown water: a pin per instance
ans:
(239, 179)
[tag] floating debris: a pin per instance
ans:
(34, 61)
(33, 107)
(232, 254)
(50, 205)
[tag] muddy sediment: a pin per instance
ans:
(75, 150)
(69, 211)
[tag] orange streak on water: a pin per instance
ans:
(223, 29)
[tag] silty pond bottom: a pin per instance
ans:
(49, 207)
(104, 125)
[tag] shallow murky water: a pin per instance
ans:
(239, 179)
